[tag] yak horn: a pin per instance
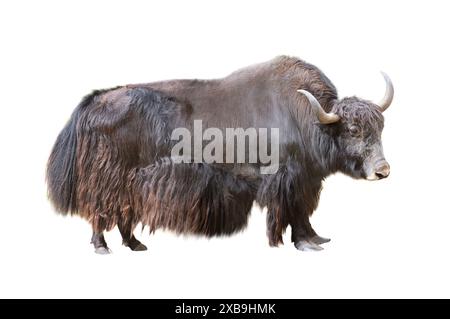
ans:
(388, 96)
(322, 116)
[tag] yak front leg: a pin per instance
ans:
(289, 202)
(303, 235)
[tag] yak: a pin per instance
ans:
(112, 165)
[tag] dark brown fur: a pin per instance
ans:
(192, 198)
(109, 164)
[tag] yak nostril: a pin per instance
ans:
(381, 175)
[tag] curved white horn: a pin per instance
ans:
(322, 116)
(388, 95)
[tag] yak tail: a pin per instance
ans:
(61, 173)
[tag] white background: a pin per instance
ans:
(389, 238)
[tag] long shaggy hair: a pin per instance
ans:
(109, 133)
(191, 198)
(62, 164)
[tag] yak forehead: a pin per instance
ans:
(366, 114)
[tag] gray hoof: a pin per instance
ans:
(319, 240)
(139, 247)
(304, 245)
(103, 251)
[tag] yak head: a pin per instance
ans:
(355, 127)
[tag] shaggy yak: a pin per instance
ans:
(112, 162)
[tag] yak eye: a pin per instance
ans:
(354, 130)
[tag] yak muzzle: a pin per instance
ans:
(381, 171)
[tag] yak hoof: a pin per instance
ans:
(304, 245)
(320, 240)
(103, 251)
(139, 247)
(135, 245)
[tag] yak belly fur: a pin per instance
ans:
(192, 198)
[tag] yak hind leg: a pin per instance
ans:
(128, 238)
(98, 240)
